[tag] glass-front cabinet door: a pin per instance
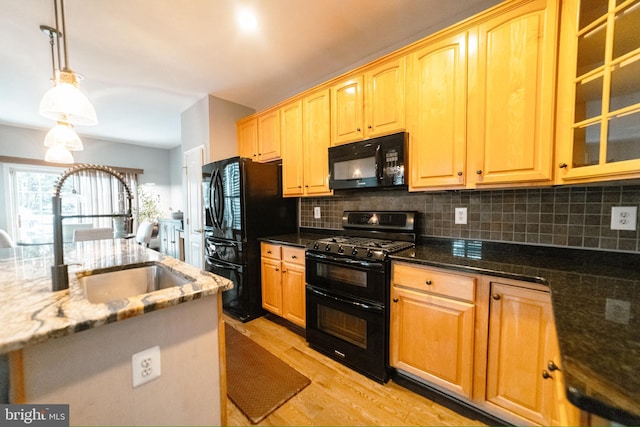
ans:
(598, 133)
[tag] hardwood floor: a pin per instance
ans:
(337, 395)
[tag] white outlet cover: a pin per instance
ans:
(624, 217)
(460, 215)
(145, 366)
(316, 212)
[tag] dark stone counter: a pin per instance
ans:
(596, 305)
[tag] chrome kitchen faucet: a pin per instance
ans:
(59, 271)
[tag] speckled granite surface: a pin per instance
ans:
(31, 313)
(596, 305)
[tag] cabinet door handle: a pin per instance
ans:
(552, 366)
(358, 129)
(459, 173)
(562, 165)
(268, 252)
(395, 300)
(479, 172)
(294, 257)
(496, 297)
(546, 374)
(428, 282)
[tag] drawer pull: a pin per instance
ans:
(496, 297)
(294, 257)
(552, 366)
(395, 300)
(268, 251)
(428, 282)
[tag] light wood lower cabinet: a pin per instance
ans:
(431, 330)
(490, 342)
(283, 281)
(523, 355)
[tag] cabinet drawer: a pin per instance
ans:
(269, 250)
(434, 281)
(292, 254)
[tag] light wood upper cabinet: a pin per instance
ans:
(248, 138)
(522, 353)
(269, 136)
(369, 104)
(437, 114)
(259, 136)
(291, 137)
(511, 102)
(316, 141)
(598, 122)
(347, 109)
(384, 101)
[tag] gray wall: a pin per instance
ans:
(28, 143)
(566, 216)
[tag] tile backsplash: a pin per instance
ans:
(568, 216)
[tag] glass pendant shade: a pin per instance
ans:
(63, 134)
(65, 102)
(58, 154)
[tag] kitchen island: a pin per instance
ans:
(64, 349)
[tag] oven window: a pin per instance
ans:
(344, 275)
(342, 325)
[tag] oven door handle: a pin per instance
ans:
(349, 261)
(358, 304)
(232, 267)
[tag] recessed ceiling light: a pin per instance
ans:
(247, 19)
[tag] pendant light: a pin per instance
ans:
(64, 102)
(63, 134)
(58, 154)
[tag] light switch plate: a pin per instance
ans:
(624, 217)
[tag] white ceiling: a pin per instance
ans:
(146, 61)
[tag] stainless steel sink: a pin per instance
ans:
(113, 285)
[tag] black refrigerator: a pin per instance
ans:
(243, 202)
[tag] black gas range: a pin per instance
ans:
(348, 288)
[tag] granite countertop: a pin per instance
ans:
(31, 313)
(301, 240)
(596, 304)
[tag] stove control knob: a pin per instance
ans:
(354, 251)
(369, 253)
(340, 249)
(316, 246)
(327, 248)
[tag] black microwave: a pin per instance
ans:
(373, 163)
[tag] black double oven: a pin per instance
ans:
(347, 289)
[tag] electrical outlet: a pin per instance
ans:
(461, 215)
(617, 311)
(624, 217)
(145, 366)
(316, 212)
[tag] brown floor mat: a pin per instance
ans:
(257, 381)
